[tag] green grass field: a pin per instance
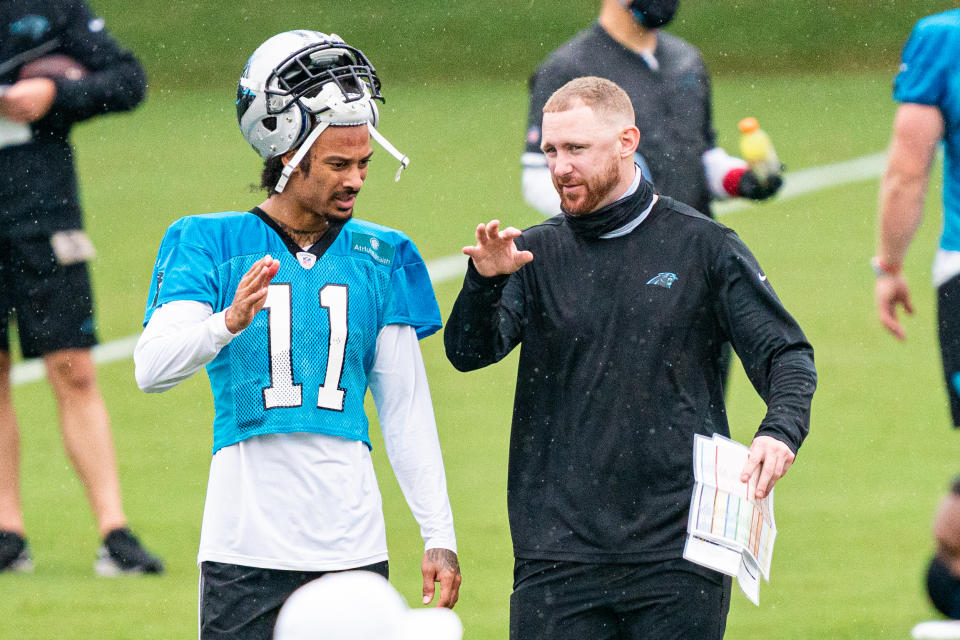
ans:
(853, 513)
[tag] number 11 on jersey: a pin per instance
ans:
(283, 391)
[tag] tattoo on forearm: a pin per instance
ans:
(444, 559)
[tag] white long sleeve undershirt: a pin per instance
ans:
(183, 336)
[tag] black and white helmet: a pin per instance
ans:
(298, 83)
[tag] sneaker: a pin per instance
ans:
(936, 630)
(14, 553)
(121, 553)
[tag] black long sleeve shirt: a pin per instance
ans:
(38, 190)
(618, 370)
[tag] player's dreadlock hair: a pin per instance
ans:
(273, 167)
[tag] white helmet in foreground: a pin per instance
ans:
(360, 605)
(298, 83)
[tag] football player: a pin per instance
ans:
(296, 308)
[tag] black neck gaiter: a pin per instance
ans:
(613, 216)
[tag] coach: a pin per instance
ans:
(621, 303)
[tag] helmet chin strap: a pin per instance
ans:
(392, 150)
(294, 162)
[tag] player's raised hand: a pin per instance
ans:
(496, 252)
(441, 565)
(251, 294)
(770, 458)
(892, 290)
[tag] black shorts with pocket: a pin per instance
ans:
(51, 303)
(242, 603)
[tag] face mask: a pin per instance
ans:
(653, 13)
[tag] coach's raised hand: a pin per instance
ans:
(496, 252)
(251, 294)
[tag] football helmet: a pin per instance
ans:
(298, 83)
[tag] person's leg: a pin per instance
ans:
(242, 603)
(672, 600)
(948, 325)
(11, 511)
(60, 329)
(14, 554)
(560, 601)
(86, 433)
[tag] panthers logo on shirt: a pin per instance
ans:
(664, 280)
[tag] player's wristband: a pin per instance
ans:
(881, 268)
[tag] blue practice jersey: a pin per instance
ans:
(302, 364)
(930, 75)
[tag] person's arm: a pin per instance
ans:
(917, 129)
(730, 177)
(776, 357)
(538, 189)
(398, 384)
(181, 338)
(537, 186)
(115, 80)
(487, 317)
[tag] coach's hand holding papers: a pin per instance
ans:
(730, 528)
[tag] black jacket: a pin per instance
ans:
(37, 180)
(619, 369)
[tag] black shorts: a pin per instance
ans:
(668, 600)
(242, 603)
(52, 303)
(948, 326)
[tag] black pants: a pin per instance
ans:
(669, 600)
(242, 603)
(948, 326)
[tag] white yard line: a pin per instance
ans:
(796, 183)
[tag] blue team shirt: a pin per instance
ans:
(929, 75)
(302, 364)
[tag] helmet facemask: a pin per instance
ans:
(322, 82)
(302, 76)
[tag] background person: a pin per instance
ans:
(44, 281)
(612, 388)
(669, 86)
(295, 308)
(929, 113)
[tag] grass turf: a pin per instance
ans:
(853, 513)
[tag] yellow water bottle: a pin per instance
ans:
(757, 150)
